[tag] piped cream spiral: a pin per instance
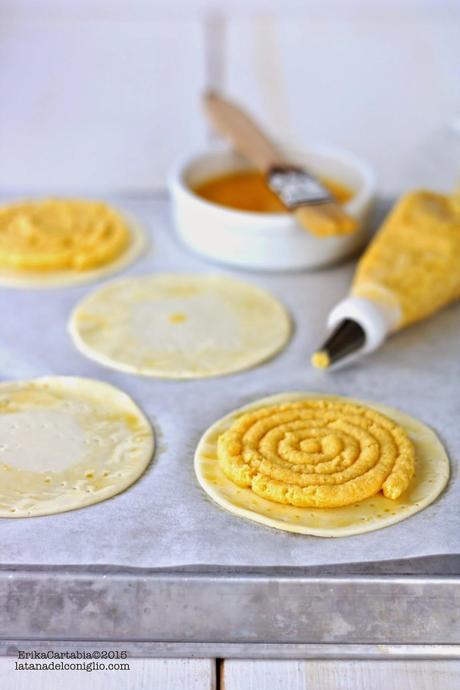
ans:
(317, 453)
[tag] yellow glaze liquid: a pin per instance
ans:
(413, 263)
(247, 191)
(60, 234)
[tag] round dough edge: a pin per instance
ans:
(182, 373)
(245, 504)
(122, 404)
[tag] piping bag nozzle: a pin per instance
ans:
(358, 325)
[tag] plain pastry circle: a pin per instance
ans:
(16, 278)
(66, 443)
(180, 326)
(431, 476)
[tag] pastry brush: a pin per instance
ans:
(300, 192)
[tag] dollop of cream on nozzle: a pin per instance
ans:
(321, 359)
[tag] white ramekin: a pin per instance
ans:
(266, 241)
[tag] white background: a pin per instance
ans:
(104, 94)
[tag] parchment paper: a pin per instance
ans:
(165, 520)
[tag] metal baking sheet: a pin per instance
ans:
(165, 520)
(240, 609)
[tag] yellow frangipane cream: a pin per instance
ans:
(322, 453)
(413, 264)
(430, 476)
(59, 234)
(321, 359)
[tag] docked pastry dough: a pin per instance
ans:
(374, 512)
(180, 326)
(57, 243)
(66, 443)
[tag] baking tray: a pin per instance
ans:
(248, 609)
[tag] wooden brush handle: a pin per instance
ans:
(228, 119)
(245, 135)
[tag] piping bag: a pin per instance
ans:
(409, 271)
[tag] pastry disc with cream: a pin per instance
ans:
(66, 443)
(180, 326)
(318, 454)
(59, 243)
